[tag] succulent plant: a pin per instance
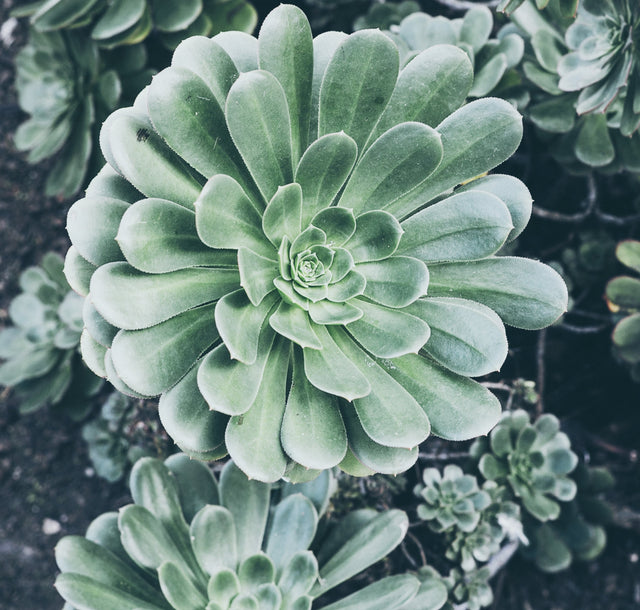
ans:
(452, 500)
(109, 439)
(69, 89)
(533, 459)
(42, 363)
(469, 588)
(259, 248)
(385, 14)
(623, 298)
(190, 542)
(493, 59)
(116, 23)
(584, 76)
(566, 8)
(578, 533)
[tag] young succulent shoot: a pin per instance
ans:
(623, 298)
(452, 500)
(40, 350)
(493, 59)
(280, 247)
(533, 459)
(471, 589)
(190, 542)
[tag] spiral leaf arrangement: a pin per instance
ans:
(280, 248)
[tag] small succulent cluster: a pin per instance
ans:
(493, 59)
(110, 440)
(524, 468)
(84, 59)
(585, 79)
(281, 246)
(623, 298)
(473, 521)
(533, 459)
(40, 350)
(191, 542)
(579, 532)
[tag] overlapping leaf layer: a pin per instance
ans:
(191, 543)
(280, 247)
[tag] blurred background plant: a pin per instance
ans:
(41, 349)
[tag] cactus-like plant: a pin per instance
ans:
(585, 76)
(533, 459)
(114, 23)
(40, 349)
(451, 500)
(493, 59)
(190, 542)
(279, 247)
(623, 297)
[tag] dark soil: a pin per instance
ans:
(48, 489)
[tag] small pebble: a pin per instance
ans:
(633, 558)
(50, 527)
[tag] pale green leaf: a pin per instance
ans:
(283, 214)
(395, 281)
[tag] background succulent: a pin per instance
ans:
(584, 75)
(86, 58)
(452, 500)
(254, 228)
(385, 14)
(113, 23)
(567, 8)
(190, 542)
(471, 589)
(579, 532)
(623, 297)
(493, 59)
(533, 459)
(40, 350)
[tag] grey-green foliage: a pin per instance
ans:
(469, 588)
(533, 459)
(190, 542)
(451, 500)
(281, 247)
(109, 437)
(579, 532)
(584, 80)
(493, 59)
(114, 23)
(40, 350)
(85, 58)
(68, 86)
(623, 297)
(566, 8)
(385, 14)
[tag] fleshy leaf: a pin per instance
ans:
(376, 237)
(283, 214)
(395, 281)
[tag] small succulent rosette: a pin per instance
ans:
(579, 533)
(623, 298)
(493, 59)
(452, 500)
(533, 459)
(40, 350)
(585, 76)
(125, 22)
(469, 589)
(189, 542)
(280, 247)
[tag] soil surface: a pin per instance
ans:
(48, 488)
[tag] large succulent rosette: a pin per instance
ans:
(275, 247)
